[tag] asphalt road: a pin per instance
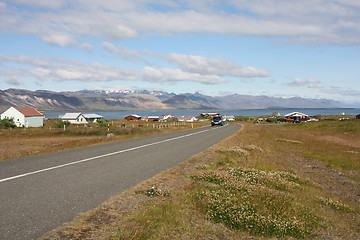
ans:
(39, 193)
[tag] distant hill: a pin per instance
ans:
(117, 100)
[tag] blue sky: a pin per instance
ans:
(280, 48)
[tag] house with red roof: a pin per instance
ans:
(133, 117)
(24, 116)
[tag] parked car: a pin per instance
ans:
(217, 121)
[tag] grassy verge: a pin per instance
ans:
(264, 182)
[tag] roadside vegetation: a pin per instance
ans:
(297, 181)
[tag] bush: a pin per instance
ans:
(7, 123)
(242, 118)
(102, 123)
(60, 123)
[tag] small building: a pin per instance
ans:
(187, 119)
(296, 117)
(80, 118)
(229, 118)
(153, 119)
(24, 116)
(166, 117)
(275, 115)
(358, 116)
(92, 117)
(132, 117)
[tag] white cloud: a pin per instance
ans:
(53, 5)
(13, 80)
(122, 52)
(345, 92)
(40, 73)
(60, 70)
(176, 75)
(93, 72)
(62, 40)
(316, 21)
(310, 83)
(210, 66)
(39, 62)
(87, 47)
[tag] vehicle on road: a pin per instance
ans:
(217, 121)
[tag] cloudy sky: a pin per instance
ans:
(281, 48)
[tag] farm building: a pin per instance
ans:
(229, 118)
(24, 116)
(275, 115)
(132, 117)
(81, 118)
(153, 119)
(166, 117)
(296, 116)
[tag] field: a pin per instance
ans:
(22, 142)
(266, 181)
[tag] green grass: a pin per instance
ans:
(334, 126)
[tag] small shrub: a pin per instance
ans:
(271, 120)
(102, 123)
(242, 118)
(7, 123)
(60, 123)
(154, 191)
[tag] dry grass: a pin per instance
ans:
(22, 142)
(294, 190)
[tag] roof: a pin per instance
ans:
(186, 118)
(153, 117)
(71, 115)
(296, 114)
(92, 115)
(133, 115)
(28, 112)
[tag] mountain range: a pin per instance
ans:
(122, 100)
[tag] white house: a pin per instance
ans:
(153, 118)
(229, 118)
(24, 116)
(296, 116)
(81, 118)
(92, 117)
(166, 117)
(187, 119)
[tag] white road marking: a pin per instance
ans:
(104, 155)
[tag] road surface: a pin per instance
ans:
(39, 193)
